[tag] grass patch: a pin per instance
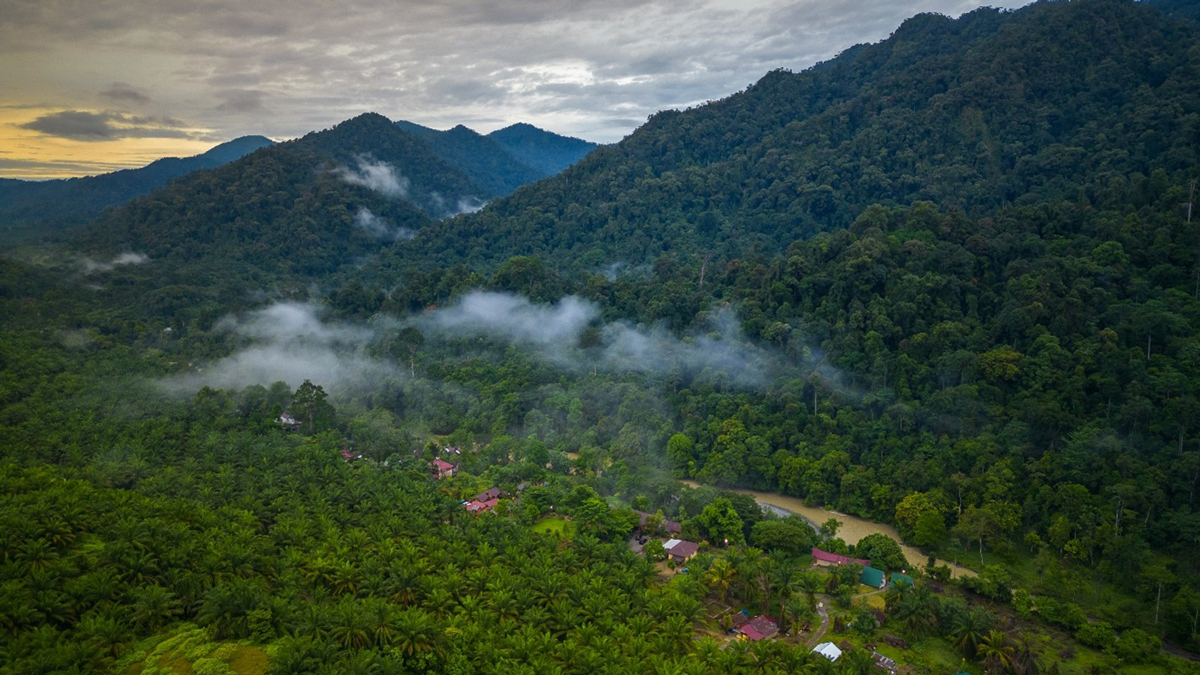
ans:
(188, 650)
(559, 527)
(248, 660)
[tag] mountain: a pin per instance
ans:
(546, 152)
(299, 208)
(504, 159)
(1082, 100)
(33, 208)
(487, 163)
(311, 205)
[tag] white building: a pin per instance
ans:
(828, 650)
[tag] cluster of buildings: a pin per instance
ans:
(484, 501)
(870, 576)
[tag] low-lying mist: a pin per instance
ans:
(568, 334)
(290, 342)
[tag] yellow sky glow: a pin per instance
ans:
(32, 155)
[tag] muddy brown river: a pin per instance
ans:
(852, 530)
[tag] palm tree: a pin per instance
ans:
(350, 627)
(677, 631)
(1025, 659)
(721, 575)
(970, 630)
(995, 651)
(416, 633)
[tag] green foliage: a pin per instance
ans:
(791, 535)
(720, 524)
(883, 552)
(1098, 634)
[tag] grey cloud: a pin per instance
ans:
(79, 125)
(241, 101)
(378, 176)
(124, 93)
(447, 62)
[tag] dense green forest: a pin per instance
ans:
(949, 282)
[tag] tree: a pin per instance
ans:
(310, 406)
(930, 529)
(720, 522)
(721, 576)
(883, 552)
(995, 651)
(653, 550)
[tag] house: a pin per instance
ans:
(681, 551)
(488, 494)
(902, 580)
(288, 422)
(825, 558)
(350, 456)
(894, 641)
(872, 577)
(442, 468)
(670, 526)
(760, 627)
(828, 650)
(740, 619)
(451, 451)
(481, 505)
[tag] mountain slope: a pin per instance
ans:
(488, 164)
(33, 208)
(1081, 100)
(309, 206)
(303, 208)
(546, 152)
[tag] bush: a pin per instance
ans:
(1099, 635)
(1136, 646)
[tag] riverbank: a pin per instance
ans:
(852, 530)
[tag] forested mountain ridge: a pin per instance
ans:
(1056, 100)
(311, 205)
(485, 162)
(34, 208)
(547, 152)
(505, 159)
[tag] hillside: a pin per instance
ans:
(1054, 101)
(311, 205)
(30, 209)
(487, 163)
(548, 153)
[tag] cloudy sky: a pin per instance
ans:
(89, 87)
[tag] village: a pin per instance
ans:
(660, 539)
(828, 633)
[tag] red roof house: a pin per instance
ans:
(478, 506)
(760, 627)
(826, 558)
(442, 468)
(681, 551)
